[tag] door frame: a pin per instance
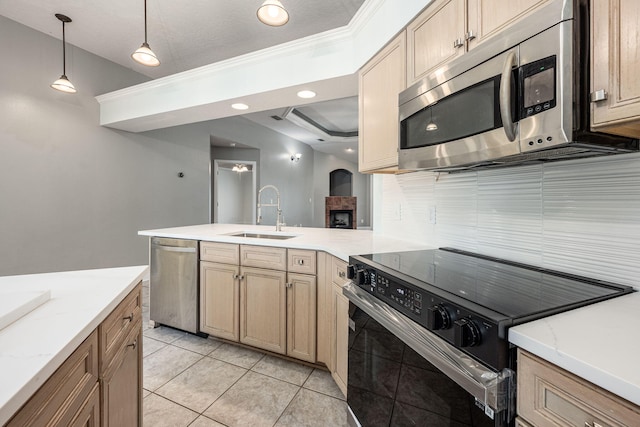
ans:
(214, 205)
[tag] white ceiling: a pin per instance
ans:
(186, 35)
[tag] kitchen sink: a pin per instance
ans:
(263, 235)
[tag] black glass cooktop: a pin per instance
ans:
(512, 289)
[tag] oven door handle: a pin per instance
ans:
(510, 128)
(494, 389)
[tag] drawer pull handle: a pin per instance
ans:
(235, 276)
(133, 345)
(342, 274)
(288, 285)
(129, 317)
(594, 424)
(458, 43)
(300, 262)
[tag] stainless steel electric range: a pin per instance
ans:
(428, 333)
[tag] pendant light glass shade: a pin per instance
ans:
(273, 13)
(63, 84)
(144, 55)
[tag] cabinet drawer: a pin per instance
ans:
(263, 257)
(338, 271)
(225, 253)
(114, 330)
(551, 396)
(59, 399)
(301, 261)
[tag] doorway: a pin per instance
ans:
(234, 190)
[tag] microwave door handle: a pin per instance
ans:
(509, 126)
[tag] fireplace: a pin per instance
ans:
(341, 219)
(340, 212)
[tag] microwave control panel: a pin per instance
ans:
(537, 87)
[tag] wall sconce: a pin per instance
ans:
(296, 157)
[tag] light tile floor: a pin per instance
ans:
(200, 382)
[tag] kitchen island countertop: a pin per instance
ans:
(598, 342)
(35, 345)
(338, 242)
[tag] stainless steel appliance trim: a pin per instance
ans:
(173, 248)
(510, 128)
(494, 389)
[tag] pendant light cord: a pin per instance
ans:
(64, 53)
(145, 21)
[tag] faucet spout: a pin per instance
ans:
(260, 205)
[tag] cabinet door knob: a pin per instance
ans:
(129, 317)
(235, 276)
(599, 95)
(342, 274)
(288, 285)
(458, 43)
(300, 262)
(241, 277)
(133, 345)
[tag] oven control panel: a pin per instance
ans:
(461, 328)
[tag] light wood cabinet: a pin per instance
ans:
(100, 384)
(122, 384)
(61, 398)
(266, 297)
(551, 396)
(380, 82)
(301, 316)
(323, 330)
(614, 66)
(220, 300)
(263, 309)
(339, 321)
(341, 342)
(449, 28)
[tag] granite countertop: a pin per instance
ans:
(598, 342)
(338, 242)
(35, 345)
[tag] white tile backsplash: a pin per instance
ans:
(580, 216)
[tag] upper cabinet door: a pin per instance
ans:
(489, 17)
(615, 44)
(435, 37)
(380, 82)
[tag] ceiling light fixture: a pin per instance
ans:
(306, 94)
(240, 168)
(240, 106)
(63, 84)
(273, 13)
(144, 55)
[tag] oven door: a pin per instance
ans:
(400, 374)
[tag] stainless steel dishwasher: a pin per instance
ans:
(173, 283)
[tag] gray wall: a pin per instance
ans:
(293, 179)
(74, 194)
(322, 167)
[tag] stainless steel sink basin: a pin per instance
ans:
(263, 235)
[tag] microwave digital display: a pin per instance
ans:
(538, 87)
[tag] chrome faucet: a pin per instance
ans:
(279, 222)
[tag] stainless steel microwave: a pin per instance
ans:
(520, 97)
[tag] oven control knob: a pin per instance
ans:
(466, 333)
(438, 317)
(351, 271)
(362, 278)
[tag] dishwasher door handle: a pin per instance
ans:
(173, 248)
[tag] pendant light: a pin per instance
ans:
(63, 84)
(144, 55)
(273, 13)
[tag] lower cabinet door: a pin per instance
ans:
(340, 344)
(301, 316)
(122, 385)
(263, 309)
(89, 414)
(220, 300)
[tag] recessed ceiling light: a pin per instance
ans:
(349, 150)
(306, 94)
(240, 106)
